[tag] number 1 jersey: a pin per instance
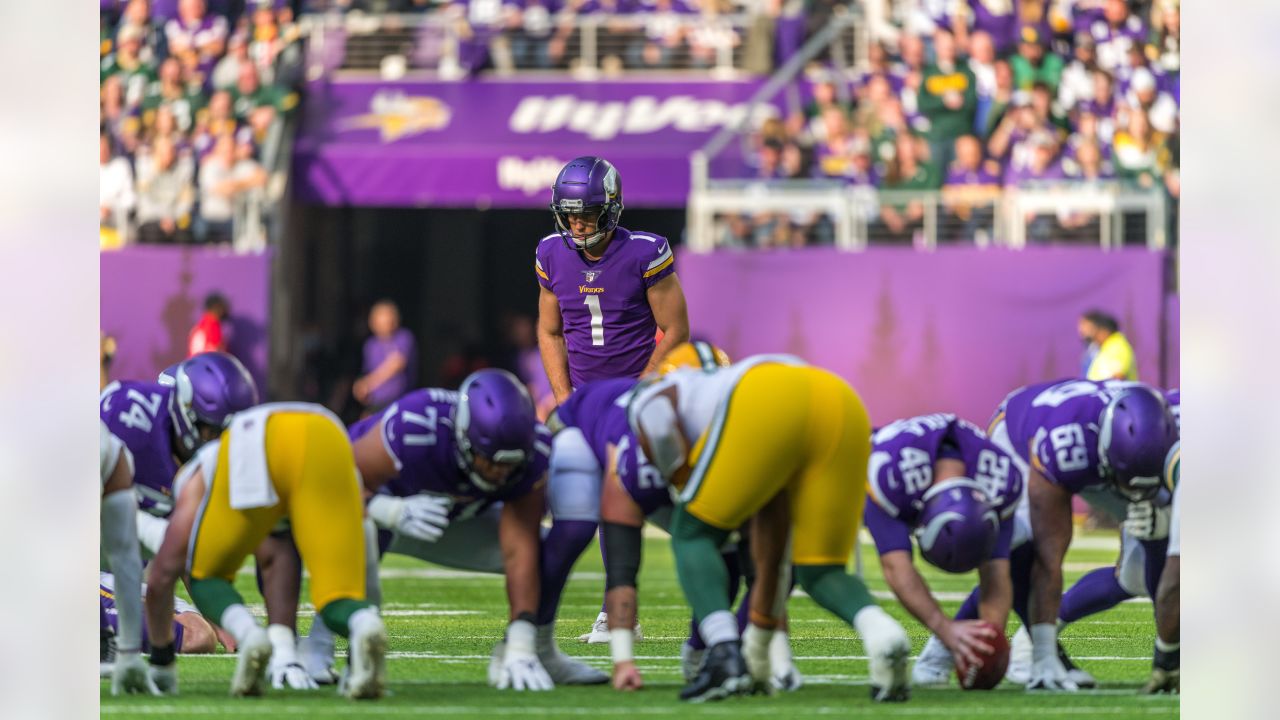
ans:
(609, 328)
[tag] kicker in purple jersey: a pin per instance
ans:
(138, 414)
(599, 410)
(1054, 428)
(609, 328)
(903, 455)
(109, 618)
(417, 430)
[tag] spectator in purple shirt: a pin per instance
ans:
(1076, 85)
(971, 187)
(1116, 30)
(195, 30)
(390, 359)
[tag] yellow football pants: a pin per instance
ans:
(313, 471)
(799, 430)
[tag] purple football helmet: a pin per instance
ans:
(208, 389)
(958, 526)
(1137, 430)
(496, 420)
(588, 185)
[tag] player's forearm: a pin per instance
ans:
(995, 592)
(555, 360)
(120, 541)
(910, 588)
(1046, 587)
(518, 536)
(523, 583)
(159, 604)
(673, 334)
(621, 606)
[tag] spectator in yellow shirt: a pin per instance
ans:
(1110, 356)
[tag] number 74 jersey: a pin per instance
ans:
(608, 325)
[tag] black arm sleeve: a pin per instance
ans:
(622, 555)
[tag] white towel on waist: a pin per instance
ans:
(250, 480)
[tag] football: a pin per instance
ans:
(989, 674)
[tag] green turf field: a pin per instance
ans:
(443, 624)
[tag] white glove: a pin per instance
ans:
(422, 516)
(785, 675)
(1047, 671)
(755, 650)
(290, 675)
(1148, 521)
(165, 678)
(130, 675)
(521, 669)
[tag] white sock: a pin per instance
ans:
(284, 647)
(238, 621)
(320, 636)
(364, 617)
(720, 626)
(875, 625)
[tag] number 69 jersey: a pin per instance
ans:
(137, 414)
(609, 328)
(900, 472)
(1054, 428)
(417, 432)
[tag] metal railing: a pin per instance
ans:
(588, 46)
(801, 212)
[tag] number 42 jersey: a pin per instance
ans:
(609, 328)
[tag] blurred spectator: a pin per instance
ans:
(982, 62)
(1040, 165)
(999, 20)
(1033, 64)
(1076, 85)
(258, 105)
(196, 31)
(1046, 108)
(1115, 30)
(824, 99)
(878, 66)
(991, 110)
(208, 335)
(1161, 108)
(165, 125)
(664, 33)
(531, 24)
(134, 73)
(169, 91)
(1089, 131)
(115, 188)
(224, 179)
(909, 171)
(390, 359)
(227, 72)
(708, 37)
(971, 188)
(1163, 45)
(165, 194)
(1112, 357)
(911, 70)
(1141, 154)
(265, 42)
(948, 98)
(137, 14)
(121, 123)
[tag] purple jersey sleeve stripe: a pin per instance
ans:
(665, 264)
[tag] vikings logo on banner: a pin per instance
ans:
(396, 115)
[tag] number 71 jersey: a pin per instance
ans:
(608, 325)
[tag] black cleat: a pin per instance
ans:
(723, 674)
(1081, 678)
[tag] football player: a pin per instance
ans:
(463, 479)
(939, 477)
(193, 635)
(120, 545)
(276, 461)
(1165, 664)
(1070, 436)
(605, 291)
(773, 439)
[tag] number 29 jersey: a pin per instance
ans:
(609, 327)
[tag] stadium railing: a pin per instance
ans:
(1111, 216)
(596, 45)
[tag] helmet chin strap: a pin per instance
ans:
(589, 241)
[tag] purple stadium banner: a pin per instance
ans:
(500, 143)
(153, 296)
(952, 330)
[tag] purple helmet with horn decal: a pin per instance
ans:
(958, 526)
(589, 186)
(496, 421)
(1136, 431)
(208, 389)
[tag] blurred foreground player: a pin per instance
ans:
(773, 439)
(280, 460)
(1165, 665)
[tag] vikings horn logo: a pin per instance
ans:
(611, 184)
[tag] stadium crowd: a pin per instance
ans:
(969, 98)
(189, 90)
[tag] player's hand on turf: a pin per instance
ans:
(130, 675)
(1147, 521)
(290, 675)
(1047, 673)
(521, 669)
(1161, 681)
(626, 676)
(165, 678)
(968, 641)
(755, 650)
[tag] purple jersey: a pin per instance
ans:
(609, 328)
(901, 471)
(417, 431)
(137, 413)
(599, 410)
(109, 616)
(1054, 428)
(964, 176)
